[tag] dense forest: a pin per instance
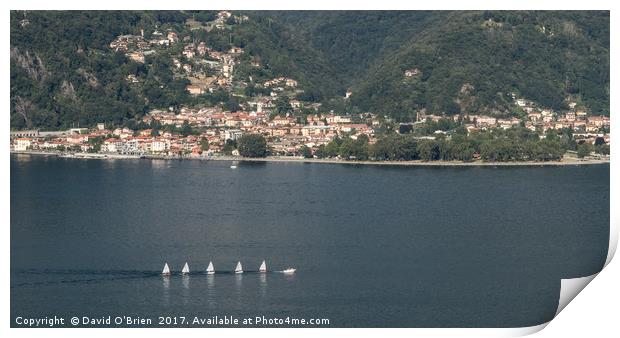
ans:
(64, 73)
(465, 61)
(352, 41)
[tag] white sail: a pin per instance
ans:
(210, 269)
(166, 270)
(185, 269)
(239, 268)
(263, 267)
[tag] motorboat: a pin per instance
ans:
(289, 271)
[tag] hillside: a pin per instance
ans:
(352, 41)
(463, 61)
(471, 62)
(64, 71)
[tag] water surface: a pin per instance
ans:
(373, 245)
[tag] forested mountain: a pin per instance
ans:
(464, 61)
(472, 61)
(352, 41)
(63, 71)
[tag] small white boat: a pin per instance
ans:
(185, 270)
(233, 167)
(239, 268)
(263, 267)
(210, 269)
(289, 271)
(166, 270)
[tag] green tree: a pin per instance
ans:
(305, 151)
(354, 149)
(204, 144)
(320, 151)
(405, 128)
(96, 144)
(584, 150)
(333, 147)
(252, 145)
(186, 129)
(428, 150)
(283, 105)
(406, 149)
(229, 146)
(602, 149)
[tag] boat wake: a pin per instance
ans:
(44, 277)
(21, 278)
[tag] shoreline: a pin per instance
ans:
(281, 159)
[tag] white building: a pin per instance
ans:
(158, 145)
(232, 134)
(109, 146)
(338, 119)
(22, 144)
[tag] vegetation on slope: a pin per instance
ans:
(473, 61)
(63, 72)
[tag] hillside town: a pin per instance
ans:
(206, 69)
(206, 132)
(289, 125)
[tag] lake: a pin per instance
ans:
(374, 246)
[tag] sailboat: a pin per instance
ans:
(185, 270)
(210, 269)
(239, 268)
(166, 271)
(263, 267)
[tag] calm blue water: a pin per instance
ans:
(374, 246)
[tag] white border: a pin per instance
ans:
(591, 313)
